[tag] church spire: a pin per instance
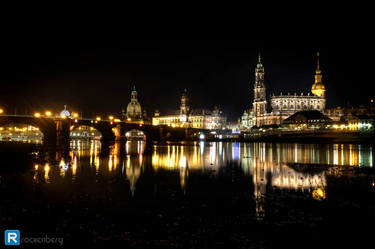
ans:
(259, 65)
(318, 87)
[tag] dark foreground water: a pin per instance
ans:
(202, 195)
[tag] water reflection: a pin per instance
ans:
(270, 166)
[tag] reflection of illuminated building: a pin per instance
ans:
(198, 157)
(184, 173)
(22, 133)
(195, 118)
(133, 171)
(134, 147)
(134, 162)
(46, 173)
(266, 162)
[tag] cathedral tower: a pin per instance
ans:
(260, 101)
(318, 87)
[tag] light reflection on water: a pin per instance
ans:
(266, 164)
(210, 157)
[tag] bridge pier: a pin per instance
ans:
(62, 133)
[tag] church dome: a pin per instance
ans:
(318, 86)
(318, 89)
(134, 110)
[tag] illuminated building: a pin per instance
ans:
(65, 112)
(133, 110)
(318, 88)
(191, 118)
(246, 120)
(360, 122)
(284, 105)
(260, 101)
(336, 114)
(307, 119)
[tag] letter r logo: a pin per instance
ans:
(12, 237)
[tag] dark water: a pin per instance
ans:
(199, 195)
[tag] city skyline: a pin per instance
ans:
(216, 73)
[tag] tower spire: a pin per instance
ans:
(318, 87)
(259, 59)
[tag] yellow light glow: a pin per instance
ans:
(98, 118)
(75, 114)
(319, 194)
(37, 115)
(48, 113)
(1, 111)
(117, 120)
(129, 119)
(110, 117)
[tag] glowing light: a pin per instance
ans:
(117, 120)
(319, 194)
(98, 118)
(37, 115)
(48, 113)
(201, 136)
(75, 114)
(1, 111)
(110, 117)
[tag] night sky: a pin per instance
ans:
(94, 73)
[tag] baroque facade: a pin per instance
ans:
(133, 110)
(283, 105)
(191, 118)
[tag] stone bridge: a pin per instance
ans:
(57, 130)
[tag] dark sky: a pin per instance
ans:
(93, 73)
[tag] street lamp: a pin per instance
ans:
(75, 115)
(98, 118)
(48, 113)
(37, 114)
(110, 118)
(1, 110)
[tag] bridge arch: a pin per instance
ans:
(46, 126)
(135, 134)
(104, 128)
(21, 132)
(84, 132)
